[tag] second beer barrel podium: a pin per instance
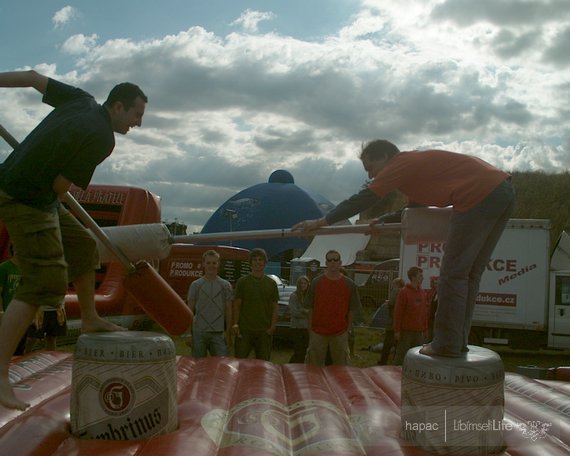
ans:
(454, 405)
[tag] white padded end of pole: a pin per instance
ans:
(425, 224)
(137, 242)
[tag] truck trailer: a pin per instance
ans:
(524, 296)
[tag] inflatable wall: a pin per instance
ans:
(248, 407)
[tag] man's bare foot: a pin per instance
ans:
(99, 324)
(7, 397)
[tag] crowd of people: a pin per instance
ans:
(322, 313)
(52, 249)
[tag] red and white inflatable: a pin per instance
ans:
(229, 406)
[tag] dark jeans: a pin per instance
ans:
(300, 338)
(471, 239)
(408, 339)
(259, 341)
(389, 342)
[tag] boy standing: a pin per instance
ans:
(333, 302)
(210, 298)
(255, 310)
(410, 315)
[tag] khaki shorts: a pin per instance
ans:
(51, 248)
(319, 345)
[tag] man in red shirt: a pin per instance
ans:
(333, 302)
(410, 315)
(482, 198)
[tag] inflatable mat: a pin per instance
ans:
(229, 407)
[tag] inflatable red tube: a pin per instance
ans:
(238, 407)
(158, 299)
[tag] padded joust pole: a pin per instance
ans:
(153, 240)
(286, 233)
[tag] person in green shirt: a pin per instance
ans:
(255, 310)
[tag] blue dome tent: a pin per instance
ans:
(279, 203)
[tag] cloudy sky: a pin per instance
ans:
(238, 89)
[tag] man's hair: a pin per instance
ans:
(331, 251)
(414, 271)
(398, 282)
(210, 252)
(378, 149)
(126, 93)
(258, 252)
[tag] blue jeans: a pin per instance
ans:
(471, 239)
(204, 341)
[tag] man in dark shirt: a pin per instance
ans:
(51, 247)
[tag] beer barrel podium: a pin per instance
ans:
(123, 386)
(453, 405)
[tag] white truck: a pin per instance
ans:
(524, 297)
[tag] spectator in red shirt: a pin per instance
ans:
(410, 315)
(333, 302)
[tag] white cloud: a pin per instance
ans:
(250, 20)
(364, 24)
(64, 16)
(226, 111)
(79, 44)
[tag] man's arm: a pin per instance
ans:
(228, 321)
(61, 185)
(274, 316)
(235, 316)
(344, 210)
(29, 78)
(310, 301)
(355, 306)
(357, 203)
(38, 81)
(188, 336)
(192, 305)
(274, 299)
